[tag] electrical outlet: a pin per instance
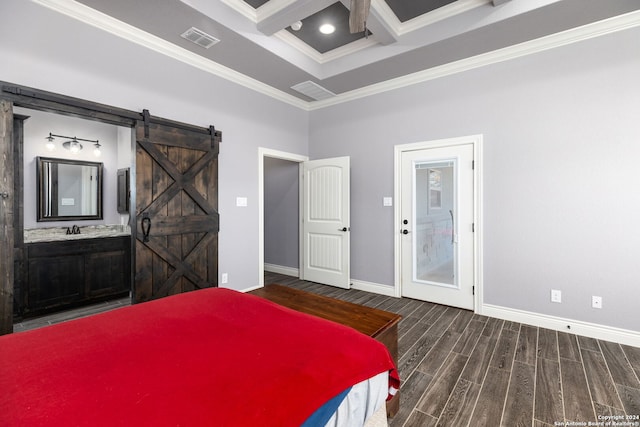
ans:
(224, 278)
(596, 302)
(556, 295)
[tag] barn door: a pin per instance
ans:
(176, 199)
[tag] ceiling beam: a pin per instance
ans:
(377, 24)
(289, 13)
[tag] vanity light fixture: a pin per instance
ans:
(73, 143)
(96, 149)
(50, 145)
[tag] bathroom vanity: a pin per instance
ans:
(61, 271)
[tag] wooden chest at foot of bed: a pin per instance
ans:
(378, 324)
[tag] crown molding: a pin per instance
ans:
(128, 32)
(104, 22)
(323, 58)
(243, 9)
(444, 12)
(574, 35)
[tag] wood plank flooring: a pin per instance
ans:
(461, 369)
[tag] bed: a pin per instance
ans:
(213, 357)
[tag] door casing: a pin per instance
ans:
(476, 141)
(27, 97)
(262, 153)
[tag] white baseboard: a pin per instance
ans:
(281, 269)
(360, 285)
(592, 330)
(375, 288)
(252, 288)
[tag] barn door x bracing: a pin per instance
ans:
(176, 200)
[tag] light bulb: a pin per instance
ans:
(50, 145)
(327, 29)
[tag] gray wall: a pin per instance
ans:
(561, 153)
(561, 150)
(36, 128)
(281, 212)
(62, 55)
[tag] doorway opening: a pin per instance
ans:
(278, 210)
(51, 278)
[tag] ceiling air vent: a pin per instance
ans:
(313, 90)
(199, 37)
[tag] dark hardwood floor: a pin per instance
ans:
(462, 369)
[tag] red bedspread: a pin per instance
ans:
(212, 357)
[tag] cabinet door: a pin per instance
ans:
(55, 281)
(107, 273)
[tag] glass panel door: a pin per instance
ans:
(434, 236)
(436, 230)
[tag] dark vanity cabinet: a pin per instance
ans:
(69, 273)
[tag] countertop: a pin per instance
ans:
(51, 234)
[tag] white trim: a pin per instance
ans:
(262, 153)
(281, 269)
(270, 8)
(375, 288)
(585, 32)
(252, 288)
(444, 12)
(243, 9)
(322, 58)
(592, 330)
(128, 32)
(361, 285)
(104, 22)
(477, 142)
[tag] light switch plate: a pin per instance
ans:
(241, 201)
(387, 201)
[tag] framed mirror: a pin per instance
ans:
(68, 190)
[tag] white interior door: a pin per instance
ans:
(437, 202)
(325, 225)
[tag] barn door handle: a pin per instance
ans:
(146, 227)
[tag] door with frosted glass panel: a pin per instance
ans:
(437, 225)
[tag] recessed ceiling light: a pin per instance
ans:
(327, 29)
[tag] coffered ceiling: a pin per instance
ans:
(256, 45)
